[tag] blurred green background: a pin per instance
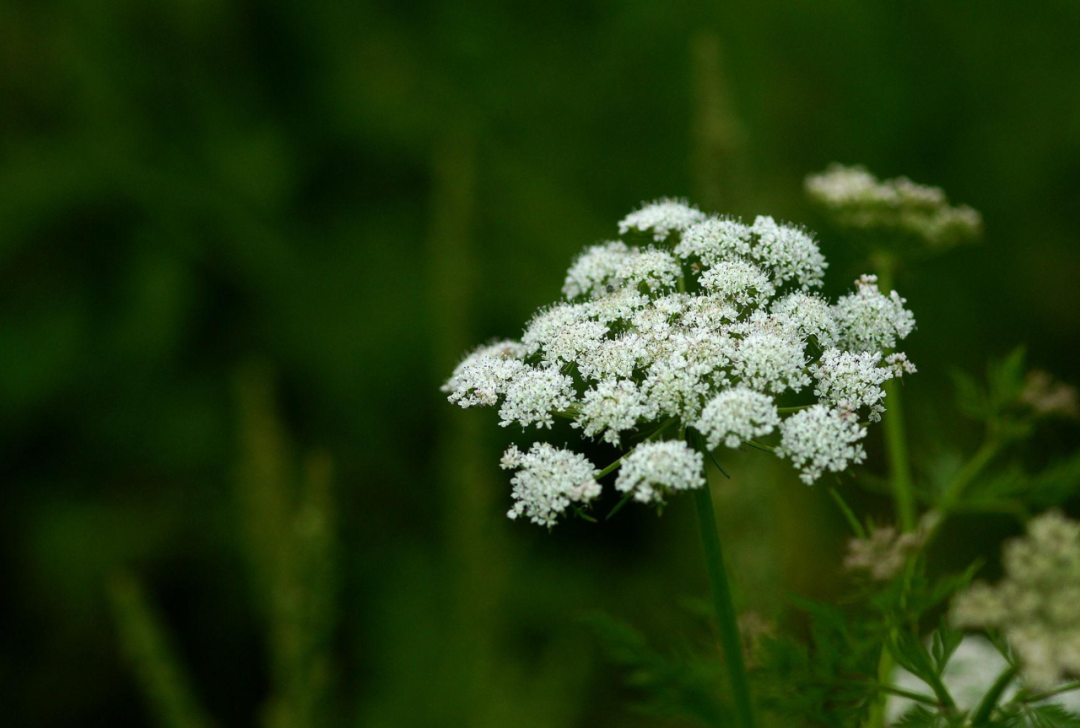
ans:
(233, 231)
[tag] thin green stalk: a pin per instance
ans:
(955, 490)
(903, 489)
(993, 695)
(895, 432)
(899, 464)
(725, 610)
(909, 694)
(849, 514)
(1065, 688)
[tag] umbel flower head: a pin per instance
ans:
(886, 208)
(1037, 604)
(693, 332)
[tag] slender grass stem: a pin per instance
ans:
(725, 610)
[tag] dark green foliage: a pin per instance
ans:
(825, 681)
(675, 685)
(1035, 716)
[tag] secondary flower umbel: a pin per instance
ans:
(689, 331)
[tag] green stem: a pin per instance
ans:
(955, 490)
(725, 610)
(876, 717)
(993, 695)
(849, 514)
(1039, 697)
(899, 464)
(909, 694)
(896, 448)
(895, 432)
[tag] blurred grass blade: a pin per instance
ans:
(290, 535)
(149, 648)
(718, 161)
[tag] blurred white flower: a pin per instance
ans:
(1036, 606)
(860, 201)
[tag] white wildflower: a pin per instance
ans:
(1035, 604)
(714, 240)
(818, 438)
(655, 269)
(808, 315)
(615, 358)
(535, 395)
(655, 469)
(485, 374)
(613, 407)
(549, 321)
(900, 364)
(594, 268)
(789, 252)
(771, 362)
(661, 218)
(708, 327)
(871, 321)
(677, 383)
(738, 282)
(737, 415)
(548, 482)
(619, 305)
(708, 313)
(852, 380)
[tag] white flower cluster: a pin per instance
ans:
(710, 325)
(859, 200)
(656, 468)
(549, 480)
(1035, 606)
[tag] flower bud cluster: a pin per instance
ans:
(709, 324)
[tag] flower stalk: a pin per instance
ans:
(726, 621)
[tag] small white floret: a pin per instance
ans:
(820, 439)
(870, 321)
(611, 408)
(735, 416)
(738, 282)
(655, 469)
(485, 374)
(771, 362)
(535, 395)
(714, 240)
(661, 218)
(789, 252)
(548, 482)
(593, 270)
